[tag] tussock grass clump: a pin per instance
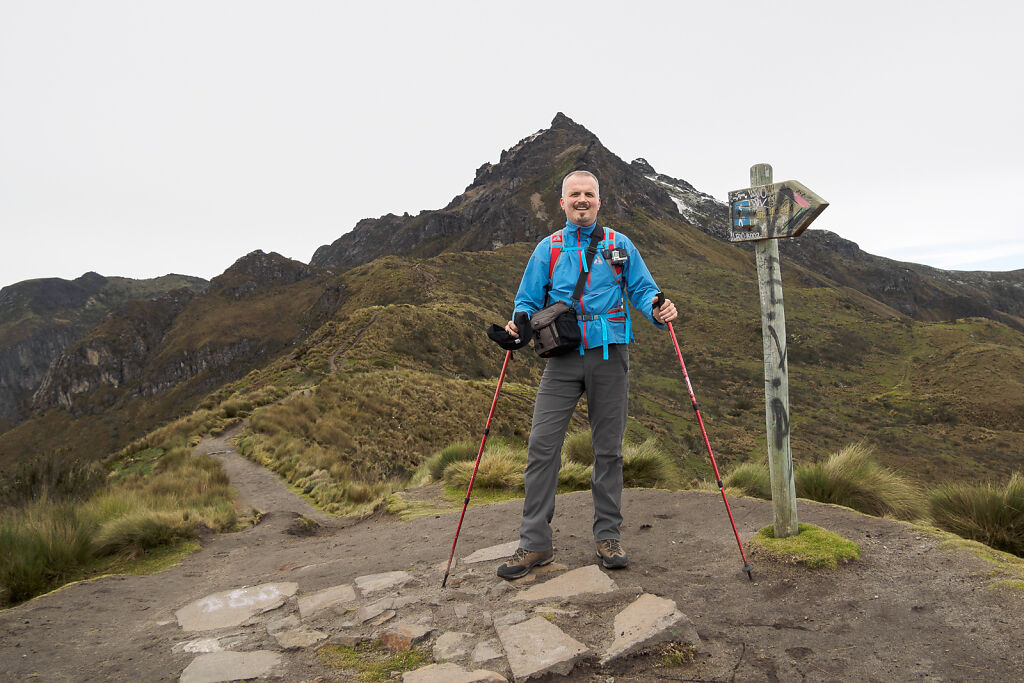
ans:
(501, 467)
(578, 448)
(574, 475)
(141, 530)
(812, 546)
(989, 513)
(456, 452)
(48, 543)
(854, 478)
(752, 479)
(51, 477)
(646, 465)
(41, 546)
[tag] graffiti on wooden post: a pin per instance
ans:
(772, 211)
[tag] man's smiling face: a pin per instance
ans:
(580, 201)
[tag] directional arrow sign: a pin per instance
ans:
(772, 211)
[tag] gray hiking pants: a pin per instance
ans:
(565, 378)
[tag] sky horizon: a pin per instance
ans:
(142, 139)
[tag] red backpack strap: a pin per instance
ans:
(556, 251)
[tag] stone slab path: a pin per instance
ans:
(954, 618)
(401, 609)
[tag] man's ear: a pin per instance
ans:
(561, 202)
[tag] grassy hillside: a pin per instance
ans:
(405, 368)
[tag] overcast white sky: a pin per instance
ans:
(139, 138)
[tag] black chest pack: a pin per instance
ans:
(556, 329)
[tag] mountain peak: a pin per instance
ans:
(258, 268)
(514, 200)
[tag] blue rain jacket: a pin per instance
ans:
(603, 319)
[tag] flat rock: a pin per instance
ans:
(485, 651)
(589, 579)
(233, 607)
(328, 597)
(372, 583)
(282, 624)
(350, 640)
(495, 552)
(201, 646)
(647, 621)
(450, 673)
(230, 666)
(508, 618)
(402, 636)
(555, 609)
(451, 645)
(368, 612)
(384, 618)
(537, 647)
(296, 638)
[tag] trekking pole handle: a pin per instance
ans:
(659, 300)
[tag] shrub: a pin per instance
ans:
(141, 530)
(646, 465)
(42, 546)
(51, 477)
(47, 543)
(852, 477)
(752, 479)
(500, 468)
(456, 452)
(359, 492)
(578, 448)
(574, 475)
(989, 513)
(236, 408)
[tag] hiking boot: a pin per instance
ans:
(611, 553)
(522, 561)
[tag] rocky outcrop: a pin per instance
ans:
(113, 355)
(259, 269)
(697, 208)
(40, 318)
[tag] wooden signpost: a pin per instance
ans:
(763, 213)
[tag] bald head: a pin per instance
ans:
(580, 198)
(576, 174)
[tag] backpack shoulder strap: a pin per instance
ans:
(556, 252)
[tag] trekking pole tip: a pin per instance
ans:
(749, 568)
(445, 580)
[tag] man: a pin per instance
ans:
(600, 368)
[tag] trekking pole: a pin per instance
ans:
(487, 429)
(747, 567)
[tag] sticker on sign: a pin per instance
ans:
(772, 211)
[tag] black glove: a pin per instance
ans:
(522, 321)
(505, 340)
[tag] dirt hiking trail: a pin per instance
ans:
(908, 610)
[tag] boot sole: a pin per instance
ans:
(526, 571)
(611, 565)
